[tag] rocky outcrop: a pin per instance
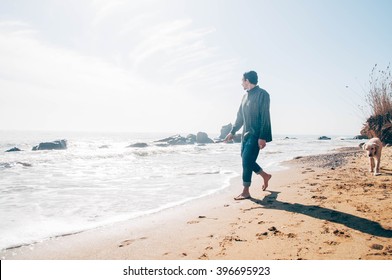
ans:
(138, 145)
(202, 138)
(25, 164)
(191, 138)
(175, 140)
(324, 138)
(15, 149)
(360, 137)
(55, 145)
(225, 130)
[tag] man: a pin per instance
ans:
(254, 116)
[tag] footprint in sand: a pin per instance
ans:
(275, 231)
(291, 235)
(363, 208)
(341, 233)
(130, 241)
(230, 239)
(126, 243)
(377, 247)
(307, 170)
(326, 252)
(193, 222)
(262, 235)
(332, 243)
(319, 197)
(203, 257)
(250, 209)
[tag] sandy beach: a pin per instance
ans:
(321, 207)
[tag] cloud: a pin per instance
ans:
(42, 81)
(161, 38)
(167, 48)
(30, 61)
(16, 27)
(151, 75)
(180, 55)
(213, 75)
(105, 9)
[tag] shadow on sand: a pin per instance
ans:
(351, 221)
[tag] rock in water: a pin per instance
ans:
(138, 145)
(173, 140)
(191, 139)
(225, 130)
(202, 138)
(55, 145)
(360, 137)
(15, 149)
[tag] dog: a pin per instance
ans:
(374, 148)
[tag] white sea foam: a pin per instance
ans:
(50, 193)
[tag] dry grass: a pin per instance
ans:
(379, 99)
(380, 95)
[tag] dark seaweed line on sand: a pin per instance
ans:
(332, 160)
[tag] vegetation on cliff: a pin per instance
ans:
(379, 99)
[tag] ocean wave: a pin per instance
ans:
(273, 152)
(152, 151)
(6, 165)
(214, 172)
(202, 173)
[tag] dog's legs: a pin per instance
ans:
(371, 164)
(377, 171)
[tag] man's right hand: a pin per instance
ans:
(229, 137)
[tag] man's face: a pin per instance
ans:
(245, 84)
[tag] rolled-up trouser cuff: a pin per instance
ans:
(246, 184)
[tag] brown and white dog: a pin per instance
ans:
(374, 148)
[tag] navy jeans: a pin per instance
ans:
(249, 153)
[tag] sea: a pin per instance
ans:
(98, 180)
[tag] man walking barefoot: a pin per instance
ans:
(254, 116)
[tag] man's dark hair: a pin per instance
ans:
(251, 76)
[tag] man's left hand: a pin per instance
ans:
(262, 144)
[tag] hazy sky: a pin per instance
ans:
(176, 66)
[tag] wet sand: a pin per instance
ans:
(322, 207)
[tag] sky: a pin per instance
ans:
(176, 66)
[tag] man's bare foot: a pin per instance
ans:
(266, 178)
(242, 197)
